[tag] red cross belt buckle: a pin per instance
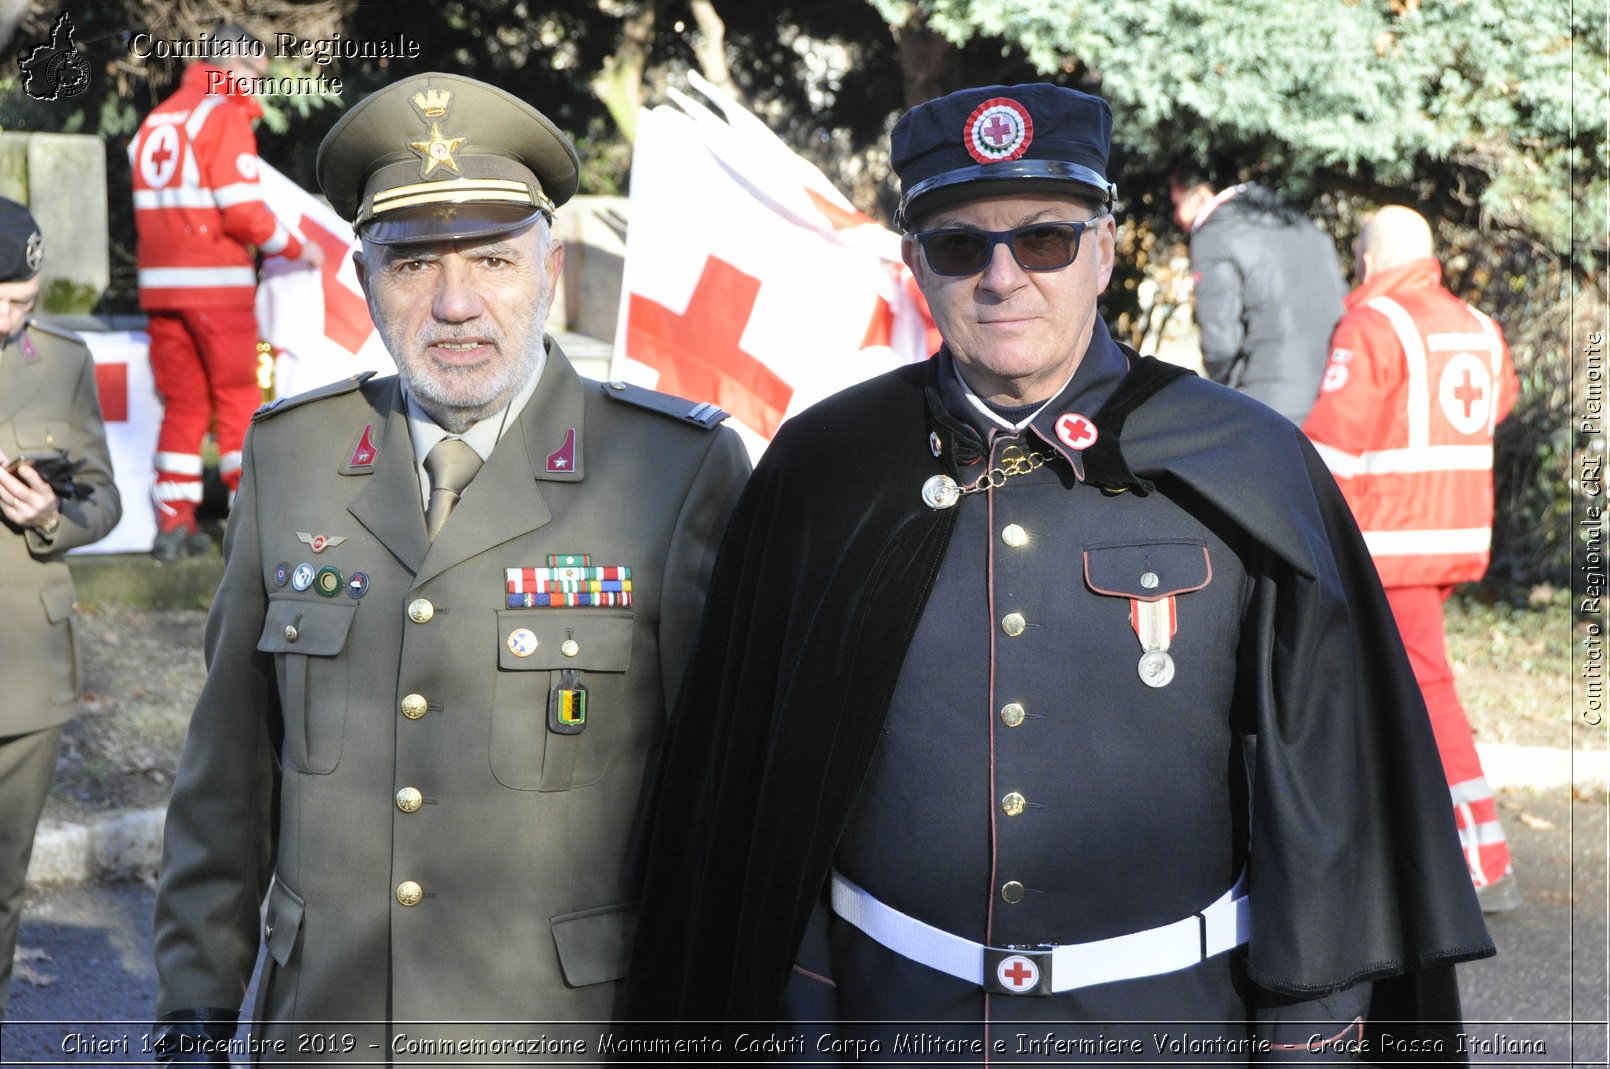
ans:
(1017, 970)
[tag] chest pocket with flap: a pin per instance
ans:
(1147, 571)
(307, 637)
(597, 643)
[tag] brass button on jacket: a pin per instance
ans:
(1013, 804)
(409, 799)
(409, 893)
(1014, 535)
(1012, 891)
(1013, 624)
(421, 611)
(413, 706)
(1012, 714)
(291, 633)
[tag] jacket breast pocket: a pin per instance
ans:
(37, 435)
(307, 639)
(1148, 571)
(541, 653)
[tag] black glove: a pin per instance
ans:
(58, 470)
(196, 1037)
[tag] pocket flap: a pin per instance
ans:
(317, 628)
(282, 921)
(591, 640)
(1147, 571)
(595, 945)
(58, 600)
(41, 434)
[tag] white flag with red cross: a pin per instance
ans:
(750, 282)
(316, 320)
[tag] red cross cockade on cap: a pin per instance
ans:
(998, 130)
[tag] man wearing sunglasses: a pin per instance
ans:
(1045, 691)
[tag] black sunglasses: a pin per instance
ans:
(1036, 247)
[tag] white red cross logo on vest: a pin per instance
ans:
(1465, 392)
(998, 130)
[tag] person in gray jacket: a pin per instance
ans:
(1268, 286)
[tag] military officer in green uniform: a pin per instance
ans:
(47, 403)
(456, 604)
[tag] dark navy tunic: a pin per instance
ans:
(1030, 788)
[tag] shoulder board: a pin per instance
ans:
(334, 389)
(54, 330)
(700, 414)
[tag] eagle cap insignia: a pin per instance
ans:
(432, 103)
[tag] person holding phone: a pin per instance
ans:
(47, 404)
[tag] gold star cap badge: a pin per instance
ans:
(440, 157)
(437, 152)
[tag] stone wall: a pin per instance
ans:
(62, 179)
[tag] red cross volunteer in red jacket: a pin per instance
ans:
(1416, 382)
(200, 215)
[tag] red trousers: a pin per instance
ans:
(1418, 611)
(204, 361)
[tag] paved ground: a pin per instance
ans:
(1541, 1002)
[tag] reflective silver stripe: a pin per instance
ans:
(1428, 543)
(277, 241)
(229, 462)
(176, 492)
(1471, 790)
(1414, 354)
(179, 463)
(1495, 351)
(196, 277)
(174, 197)
(237, 193)
(1345, 465)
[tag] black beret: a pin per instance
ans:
(440, 156)
(999, 140)
(22, 246)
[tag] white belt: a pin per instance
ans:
(1046, 969)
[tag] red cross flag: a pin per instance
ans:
(750, 282)
(317, 321)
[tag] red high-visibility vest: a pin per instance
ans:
(1416, 382)
(198, 206)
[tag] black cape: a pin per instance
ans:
(1355, 866)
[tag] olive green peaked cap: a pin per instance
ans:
(440, 156)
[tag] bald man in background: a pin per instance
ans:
(1416, 382)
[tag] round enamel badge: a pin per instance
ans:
(998, 130)
(1075, 431)
(302, 578)
(522, 642)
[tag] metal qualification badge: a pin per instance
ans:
(1154, 623)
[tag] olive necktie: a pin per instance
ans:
(450, 464)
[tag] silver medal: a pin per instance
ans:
(940, 492)
(1156, 668)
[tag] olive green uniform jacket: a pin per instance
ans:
(48, 402)
(504, 892)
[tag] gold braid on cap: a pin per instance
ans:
(460, 191)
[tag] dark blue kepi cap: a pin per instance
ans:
(1000, 140)
(22, 246)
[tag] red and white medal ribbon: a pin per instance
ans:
(1154, 623)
